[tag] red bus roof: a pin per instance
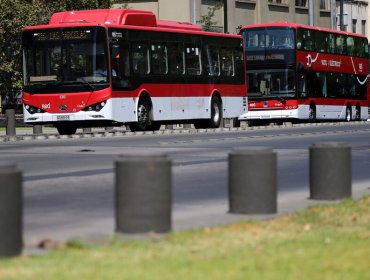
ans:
(296, 26)
(132, 19)
(118, 16)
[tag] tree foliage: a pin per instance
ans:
(17, 14)
(207, 20)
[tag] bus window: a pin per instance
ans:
(227, 62)
(239, 62)
(120, 64)
(140, 59)
(350, 46)
(213, 61)
(193, 60)
(340, 45)
(158, 57)
(255, 39)
(320, 85)
(321, 42)
(331, 43)
(308, 40)
(176, 59)
(361, 47)
(280, 38)
(305, 40)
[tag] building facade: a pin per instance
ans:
(355, 16)
(235, 13)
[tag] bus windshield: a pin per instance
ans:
(271, 83)
(269, 38)
(65, 57)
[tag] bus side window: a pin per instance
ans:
(158, 58)
(176, 59)
(193, 60)
(331, 43)
(350, 46)
(341, 45)
(140, 59)
(227, 62)
(120, 61)
(213, 61)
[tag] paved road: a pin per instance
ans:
(69, 183)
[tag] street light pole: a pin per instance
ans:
(225, 17)
(341, 16)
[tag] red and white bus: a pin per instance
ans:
(305, 73)
(113, 67)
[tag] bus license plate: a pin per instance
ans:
(63, 118)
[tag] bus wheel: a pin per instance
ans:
(216, 112)
(348, 114)
(66, 129)
(358, 113)
(143, 119)
(312, 113)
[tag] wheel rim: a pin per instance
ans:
(312, 114)
(358, 114)
(142, 115)
(348, 114)
(216, 113)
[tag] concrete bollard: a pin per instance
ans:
(253, 181)
(11, 205)
(169, 126)
(87, 130)
(37, 129)
(330, 171)
(143, 194)
(10, 122)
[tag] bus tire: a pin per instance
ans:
(348, 114)
(66, 129)
(358, 113)
(143, 117)
(312, 113)
(216, 112)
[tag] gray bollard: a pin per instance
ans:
(169, 126)
(11, 205)
(330, 171)
(253, 181)
(143, 194)
(87, 130)
(10, 122)
(37, 129)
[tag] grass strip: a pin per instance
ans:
(321, 242)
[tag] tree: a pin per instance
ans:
(17, 14)
(207, 20)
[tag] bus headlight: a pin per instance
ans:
(95, 107)
(33, 110)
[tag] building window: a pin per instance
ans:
(301, 3)
(354, 23)
(363, 27)
(323, 5)
(278, 1)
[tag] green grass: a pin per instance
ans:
(321, 242)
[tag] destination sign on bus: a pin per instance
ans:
(65, 35)
(265, 57)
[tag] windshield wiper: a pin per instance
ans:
(82, 82)
(35, 87)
